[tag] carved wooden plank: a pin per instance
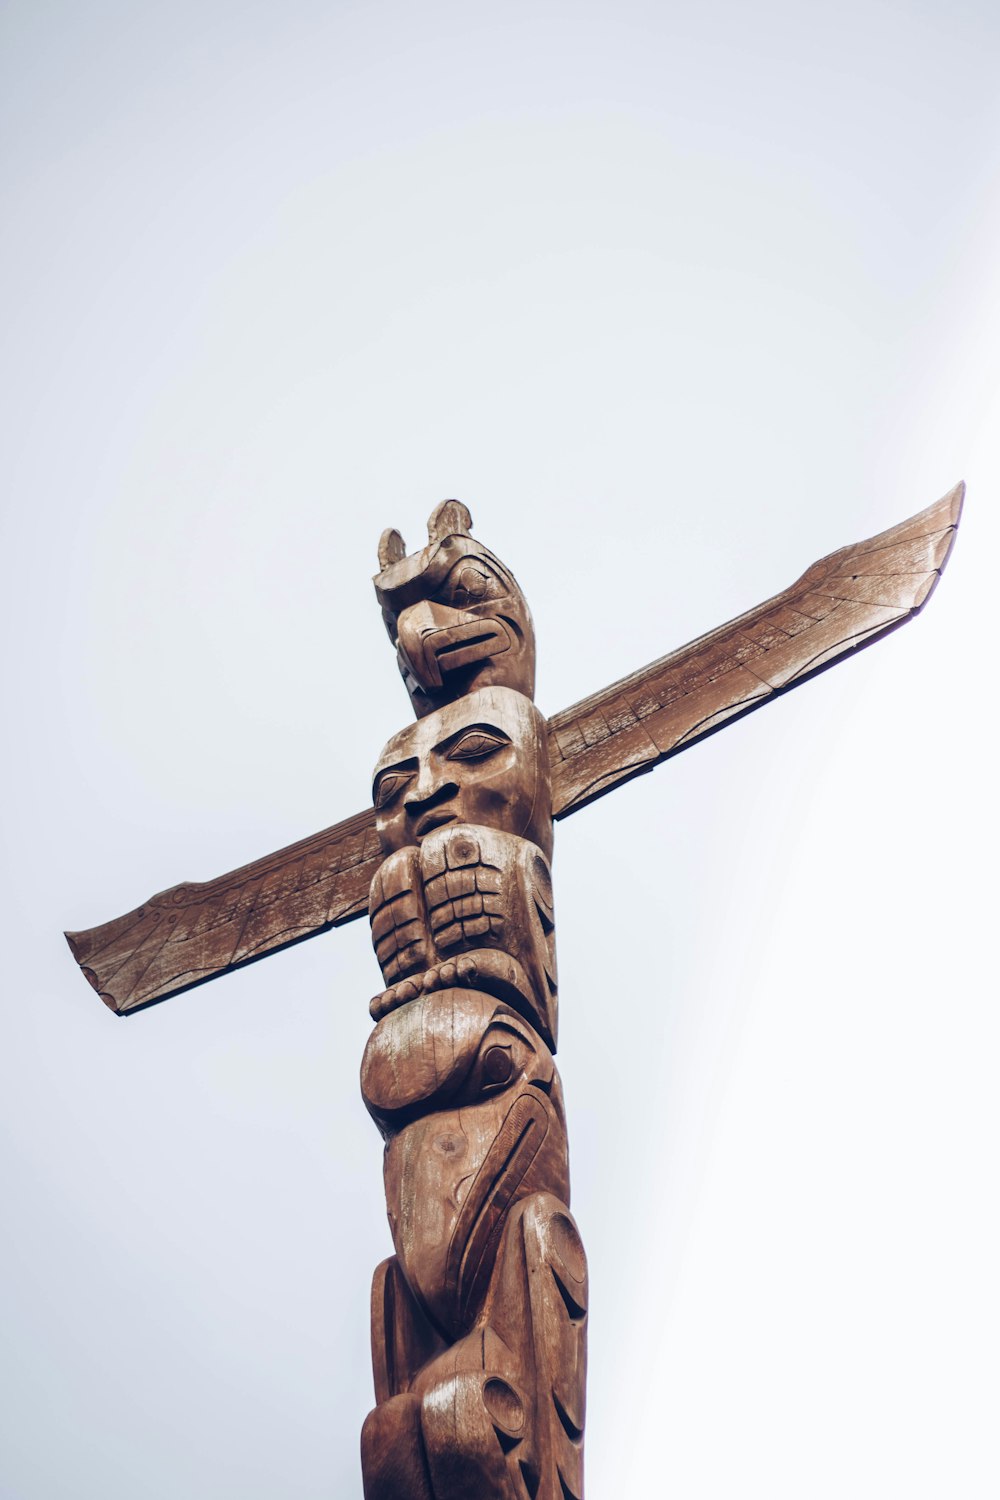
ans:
(194, 932)
(841, 603)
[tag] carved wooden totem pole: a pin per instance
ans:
(479, 1318)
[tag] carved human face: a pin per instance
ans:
(483, 760)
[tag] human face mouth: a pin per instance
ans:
(432, 820)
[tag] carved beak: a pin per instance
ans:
(435, 640)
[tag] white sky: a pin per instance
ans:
(677, 300)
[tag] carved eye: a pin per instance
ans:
(477, 744)
(470, 585)
(498, 1066)
(471, 581)
(389, 785)
(505, 1054)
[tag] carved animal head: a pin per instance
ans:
(454, 613)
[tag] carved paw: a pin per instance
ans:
(462, 971)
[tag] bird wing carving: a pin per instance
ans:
(193, 932)
(843, 602)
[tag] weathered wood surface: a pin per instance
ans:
(194, 932)
(464, 896)
(479, 1319)
(843, 602)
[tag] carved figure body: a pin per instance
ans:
(471, 905)
(479, 1319)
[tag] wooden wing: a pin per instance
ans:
(193, 932)
(843, 602)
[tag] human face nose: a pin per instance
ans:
(427, 801)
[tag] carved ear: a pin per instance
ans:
(391, 548)
(446, 519)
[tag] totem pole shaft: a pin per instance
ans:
(479, 1319)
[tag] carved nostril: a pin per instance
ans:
(419, 799)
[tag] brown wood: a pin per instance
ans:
(464, 815)
(479, 1319)
(455, 614)
(843, 602)
(194, 932)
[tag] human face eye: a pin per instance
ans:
(389, 784)
(477, 743)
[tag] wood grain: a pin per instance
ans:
(194, 932)
(843, 602)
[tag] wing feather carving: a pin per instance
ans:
(194, 932)
(841, 603)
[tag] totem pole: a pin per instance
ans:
(479, 1319)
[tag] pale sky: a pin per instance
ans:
(677, 300)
